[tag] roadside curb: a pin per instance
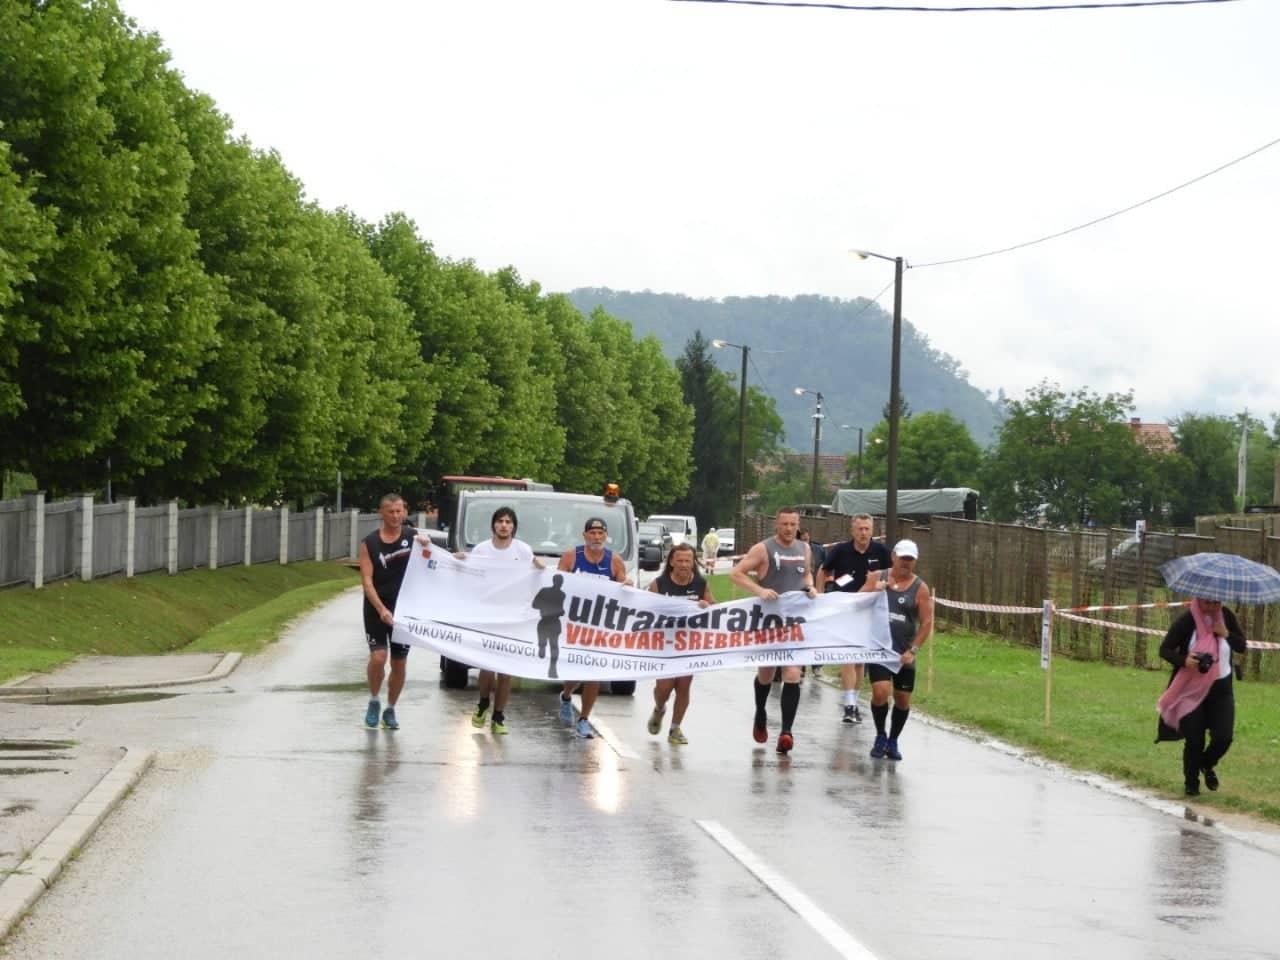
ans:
(22, 888)
(11, 690)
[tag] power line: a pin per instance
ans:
(874, 299)
(1105, 217)
(882, 8)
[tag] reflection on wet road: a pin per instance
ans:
(274, 824)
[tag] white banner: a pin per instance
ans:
(544, 624)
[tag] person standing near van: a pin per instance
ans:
(710, 549)
(502, 545)
(772, 567)
(591, 557)
(384, 556)
(679, 579)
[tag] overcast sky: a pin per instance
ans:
(719, 150)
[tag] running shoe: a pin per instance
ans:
(389, 720)
(759, 729)
(655, 721)
(882, 743)
(848, 714)
(584, 729)
(1210, 778)
(566, 712)
(857, 715)
(499, 728)
(676, 736)
(785, 742)
(891, 749)
(371, 715)
(478, 718)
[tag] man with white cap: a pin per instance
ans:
(910, 624)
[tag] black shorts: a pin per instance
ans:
(904, 680)
(378, 634)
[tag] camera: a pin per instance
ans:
(1205, 660)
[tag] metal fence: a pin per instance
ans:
(86, 540)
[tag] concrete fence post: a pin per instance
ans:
(215, 517)
(171, 538)
(354, 550)
(284, 534)
(35, 537)
(319, 543)
(86, 537)
(248, 534)
(130, 534)
(422, 519)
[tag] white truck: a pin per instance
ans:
(684, 529)
(551, 523)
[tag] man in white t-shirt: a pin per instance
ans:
(503, 545)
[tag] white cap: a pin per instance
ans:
(907, 548)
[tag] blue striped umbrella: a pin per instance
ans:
(1222, 576)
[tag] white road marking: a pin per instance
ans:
(839, 938)
(606, 734)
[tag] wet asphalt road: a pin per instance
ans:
(274, 824)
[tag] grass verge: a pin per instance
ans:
(1102, 717)
(157, 613)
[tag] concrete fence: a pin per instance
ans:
(42, 541)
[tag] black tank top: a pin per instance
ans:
(696, 588)
(389, 562)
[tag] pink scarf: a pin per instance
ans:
(1189, 685)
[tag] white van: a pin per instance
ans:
(683, 529)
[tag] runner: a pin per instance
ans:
(384, 555)
(594, 558)
(680, 578)
(771, 567)
(851, 566)
(910, 623)
(503, 545)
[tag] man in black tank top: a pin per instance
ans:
(910, 623)
(384, 555)
(680, 578)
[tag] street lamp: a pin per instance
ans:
(846, 426)
(742, 428)
(895, 398)
(817, 433)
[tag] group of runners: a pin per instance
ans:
(779, 564)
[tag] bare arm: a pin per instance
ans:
(366, 581)
(755, 562)
(924, 601)
(566, 561)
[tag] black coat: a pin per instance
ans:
(1177, 644)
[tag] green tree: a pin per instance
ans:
(1207, 445)
(1069, 458)
(122, 312)
(707, 392)
(934, 450)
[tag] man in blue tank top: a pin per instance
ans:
(591, 557)
(780, 564)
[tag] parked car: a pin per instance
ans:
(1156, 549)
(655, 544)
(727, 547)
(684, 529)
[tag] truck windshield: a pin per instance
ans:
(549, 526)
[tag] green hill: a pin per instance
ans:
(841, 347)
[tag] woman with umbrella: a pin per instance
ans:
(1199, 698)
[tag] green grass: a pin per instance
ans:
(1102, 718)
(157, 613)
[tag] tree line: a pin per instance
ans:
(177, 318)
(1072, 458)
